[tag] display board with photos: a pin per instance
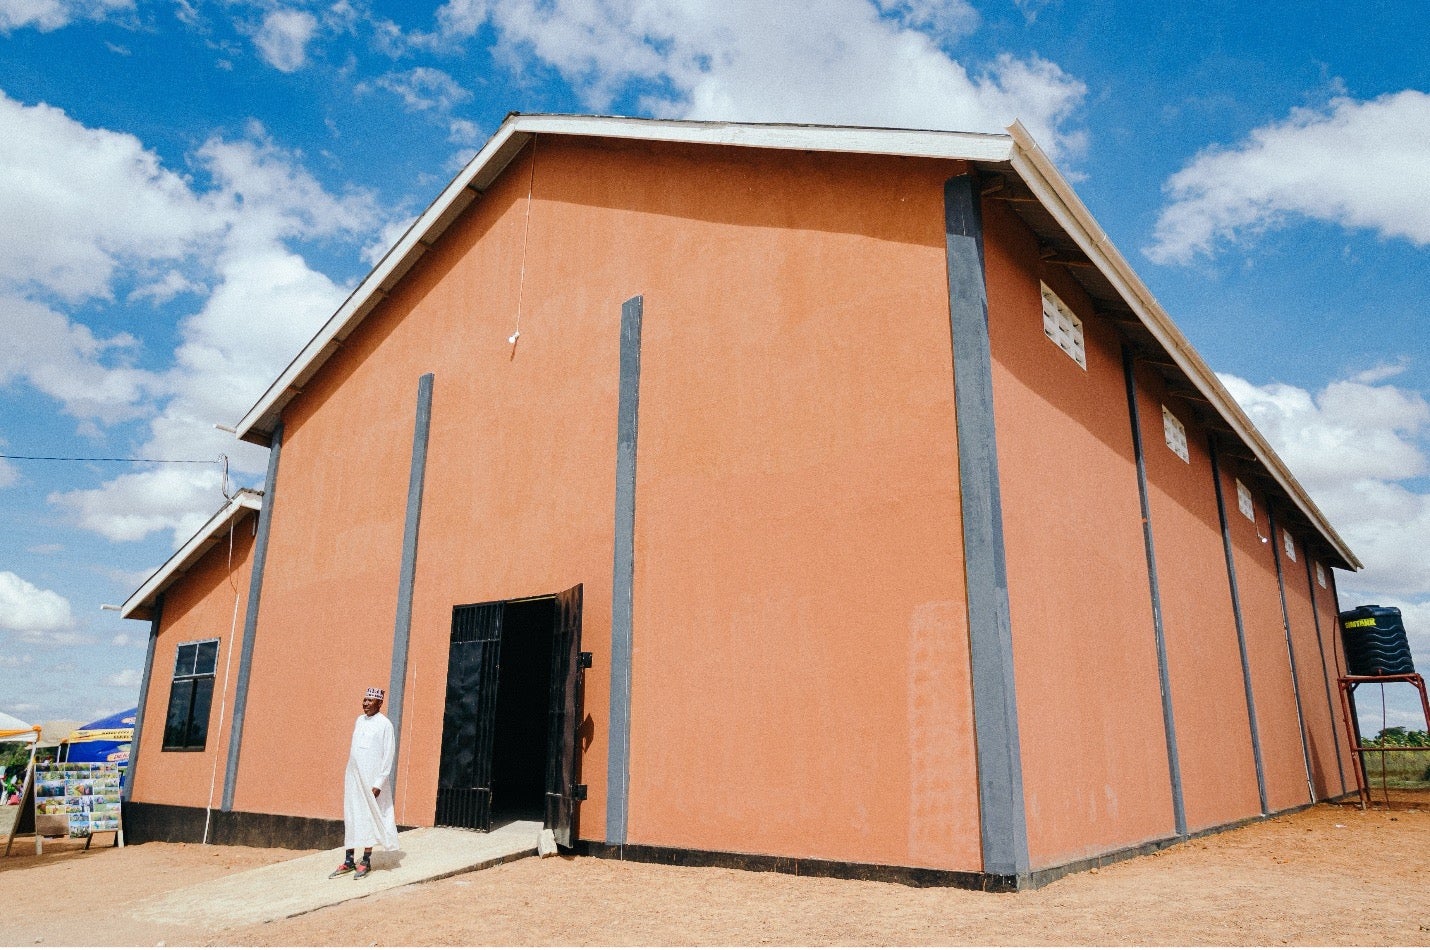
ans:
(77, 799)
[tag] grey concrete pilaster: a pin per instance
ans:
(250, 621)
(1240, 626)
(154, 622)
(623, 577)
(1169, 722)
(1002, 812)
(407, 575)
(1290, 650)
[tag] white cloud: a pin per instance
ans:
(1354, 446)
(858, 62)
(47, 15)
(9, 474)
(165, 288)
(374, 251)
(946, 19)
(124, 679)
(424, 89)
(135, 505)
(460, 19)
(283, 38)
(65, 361)
(25, 608)
(11, 661)
(1353, 163)
(70, 223)
(229, 243)
(265, 305)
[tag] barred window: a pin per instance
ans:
(186, 728)
(1244, 502)
(1175, 434)
(1062, 327)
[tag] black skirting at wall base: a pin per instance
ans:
(144, 821)
(1044, 876)
(909, 876)
(808, 867)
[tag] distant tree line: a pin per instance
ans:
(1399, 735)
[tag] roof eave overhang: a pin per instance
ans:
(140, 605)
(1058, 197)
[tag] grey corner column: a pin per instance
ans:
(1002, 811)
(250, 618)
(618, 763)
(402, 627)
(1240, 626)
(155, 619)
(1325, 673)
(1290, 650)
(1169, 723)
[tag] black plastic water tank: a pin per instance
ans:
(1375, 641)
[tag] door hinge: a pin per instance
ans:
(578, 792)
(585, 660)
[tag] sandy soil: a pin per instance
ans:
(1329, 875)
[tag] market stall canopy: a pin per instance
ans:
(52, 733)
(104, 740)
(17, 730)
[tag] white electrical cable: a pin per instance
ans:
(223, 697)
(525, 240)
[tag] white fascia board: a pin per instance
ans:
(971, 146)
(1058, 197)
(137, 607)
(509, 140)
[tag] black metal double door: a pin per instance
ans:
(489, 717)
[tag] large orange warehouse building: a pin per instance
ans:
(816, 499)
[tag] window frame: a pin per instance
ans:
(1174, 433)
(190, 689)
(1063, 328)
(1244, 502)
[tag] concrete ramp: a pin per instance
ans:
(299, 886)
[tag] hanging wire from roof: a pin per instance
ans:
(80, 458)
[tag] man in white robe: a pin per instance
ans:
(368, 819)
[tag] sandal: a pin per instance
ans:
(363, 870)
(347, 867)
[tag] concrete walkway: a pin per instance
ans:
(295, 887)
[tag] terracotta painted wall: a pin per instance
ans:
(330, 590)
(800, 671)
(1316, 687)
(1283, 759)
(201, 607)
(1089, 713)
(801, 661)
(1199, 624)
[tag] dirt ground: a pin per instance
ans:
(1331, 875)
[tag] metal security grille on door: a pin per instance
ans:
(464, 776)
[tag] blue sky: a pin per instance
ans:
(189, 188)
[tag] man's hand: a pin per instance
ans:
(377, 793)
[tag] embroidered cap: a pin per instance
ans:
(374, 693)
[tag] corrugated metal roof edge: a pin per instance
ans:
(140, 604)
